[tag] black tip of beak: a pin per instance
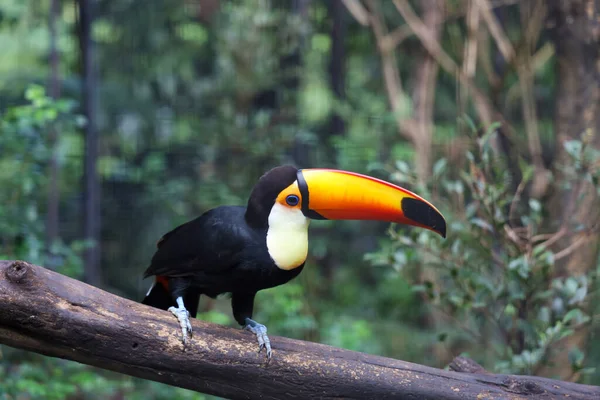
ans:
(424, 214)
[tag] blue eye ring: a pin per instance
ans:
(292, 200)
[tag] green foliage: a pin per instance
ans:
(496, 280)
(287, 309)
(183, 129)
(350, 333)
(26, 137)
(31, 376)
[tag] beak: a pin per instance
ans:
(336, 194)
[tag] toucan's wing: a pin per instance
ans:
(211, 242)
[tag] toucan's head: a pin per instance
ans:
(289, 195)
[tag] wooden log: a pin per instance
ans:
(48, 313)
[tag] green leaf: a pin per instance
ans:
(193, 32)
(521, 266)
(482, 224)
(35, 92)
(573, 148)
(574, 313)
(439, 167)
(565, 333)
(316, 102)
(402, 166)
(535, 205)
(510, 310)
(576, 358)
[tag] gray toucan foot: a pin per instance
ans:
(261, 335)
(183, 316)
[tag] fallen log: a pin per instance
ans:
(51, 314)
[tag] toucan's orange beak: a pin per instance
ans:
(335, 194)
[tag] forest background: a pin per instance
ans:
(121, 119)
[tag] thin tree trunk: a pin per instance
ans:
(577, 39)
(337, 76)
(500, 65)
(425, 76)
(52, 216)
(336, 125)
(91, 195)
(576, 36)
(301, 151)
(426, 70)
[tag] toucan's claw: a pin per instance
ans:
(183, 316)
(261, 336)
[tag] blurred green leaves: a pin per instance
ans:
(316, 102)
(495, 276)
(25, 140)
(37, 377)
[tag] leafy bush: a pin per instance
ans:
(495, 283)
(26, 137)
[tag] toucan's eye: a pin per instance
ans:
(292, 200)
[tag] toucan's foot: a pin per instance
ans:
(261, 335)
(183, 316)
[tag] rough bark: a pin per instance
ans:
(51, 314)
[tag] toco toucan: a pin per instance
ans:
(241, 250)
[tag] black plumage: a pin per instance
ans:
(218, 252)
(222, 251)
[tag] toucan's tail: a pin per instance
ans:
(158, 296)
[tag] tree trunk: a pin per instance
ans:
(52, 214)
(425, 77)
(52, 314)
(301, 151)
(337, 71)
(576, 35)
(91, 194)
(426, 70)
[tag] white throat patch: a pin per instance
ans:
(287, 237)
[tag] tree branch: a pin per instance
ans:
(391, 75)
(425, 76)
(51, 314)
(357, 10)
(504, 45)
(482, 104)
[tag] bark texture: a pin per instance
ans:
(51, 314)
(574, 26)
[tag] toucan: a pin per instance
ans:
(241, 250)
